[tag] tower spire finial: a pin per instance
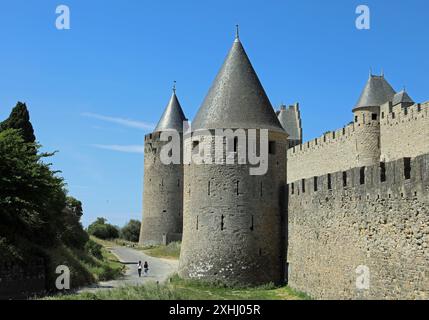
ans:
(174, 86)
(237, 32)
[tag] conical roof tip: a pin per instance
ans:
(402, 97)
(236, 98)
(377, 91)
(173, 116)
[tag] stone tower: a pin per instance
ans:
(234, 223)
(367, 119)
(163, 184)
(290, 119)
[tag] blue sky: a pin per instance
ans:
(94, 91)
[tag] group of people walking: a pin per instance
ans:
(145, 267)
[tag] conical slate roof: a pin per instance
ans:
(376, 92)
(402, 97)
(173, 116)
(236, 99)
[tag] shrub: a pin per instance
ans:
(103, 230)
(94, 249)
(131, 231)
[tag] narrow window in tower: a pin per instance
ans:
(222, 224)
(178, 182)
(407, 168)
(197, 223)
(272, 147)
(382, 115)
(382, 172)
(362, 175)
(303, 185)
(235, 144)
(238, 188)
(333, 135)
(344, 179)
(293, 188)
(393, 115)
(261, 194)
(356, 118)
(252, 226)
(315, 184)
(329, 182)
(260, 252)
(162, 182)
(208, 188)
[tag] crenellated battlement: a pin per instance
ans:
(401, 174)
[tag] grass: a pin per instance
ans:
(84, 268)
(170, 251)
(178, 289)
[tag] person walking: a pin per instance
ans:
(146, 268)
(139, 268)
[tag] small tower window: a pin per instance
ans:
(407, 168)
(382, 172)
(235, 144)
(222, 223)
(374, 117)
(356, 118)
(272, 147)
(344, 179)
(315, 184)
(362, 175)
(303, 185)
(329, 182)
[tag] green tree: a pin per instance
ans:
(19, 119)
(102, 230)
(131, 231)
(32, 197)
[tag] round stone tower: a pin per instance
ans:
(163, 184)
(235, 222)
(367, 119)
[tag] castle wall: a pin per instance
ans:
(357, 219)
(352, 146)
(235, 223)
(404, 131)
(163, 196)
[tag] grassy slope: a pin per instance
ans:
(178, 289)
(84, 268)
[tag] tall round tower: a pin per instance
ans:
(163, 184)
(235, 222)
(377, 91)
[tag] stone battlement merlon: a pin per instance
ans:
(330, 137)
(394, 114)
(404, 174)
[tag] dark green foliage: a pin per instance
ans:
(131, 231)
(103, 230)
(19, 119)
(94, 249)
(73, 234)
(32, 197)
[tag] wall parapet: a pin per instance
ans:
(413, 173)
